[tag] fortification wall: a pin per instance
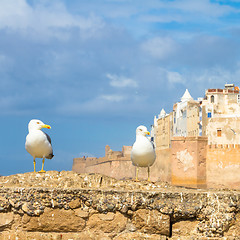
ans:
(223, 166)
(161, 169)
(118, 164)
(189, 161)
(67, 205)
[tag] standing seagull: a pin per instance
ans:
(38, 143)
(143, 153)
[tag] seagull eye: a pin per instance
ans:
(140, 129)
(38, 122)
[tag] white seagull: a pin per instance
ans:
(38, 143)
(143, 153)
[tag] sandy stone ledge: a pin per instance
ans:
(67, 205)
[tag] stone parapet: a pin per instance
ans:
(219, 146)
(92, 206)
(193, 138)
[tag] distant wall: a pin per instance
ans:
(161, 169)
(223, 166)
(190, 162)
(116, 164)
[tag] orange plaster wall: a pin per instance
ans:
(189, 161)
(223, 166)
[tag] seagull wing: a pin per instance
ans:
(50, 156)
(48, 138)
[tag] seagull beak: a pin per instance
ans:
(147, 133)
(46, 126)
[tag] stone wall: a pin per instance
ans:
(189, 161)
(223, 166)
(67, 205)
(115, 164)
(223, 130)
(118, 164)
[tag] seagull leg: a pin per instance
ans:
(34, 164)
(137, 174)
(42, 171)
(148, 174)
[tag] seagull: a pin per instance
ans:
(143, 153)
(38, 143)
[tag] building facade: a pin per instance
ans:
(216, 116)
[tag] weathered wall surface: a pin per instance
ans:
(162, 169)
(229, 127)
(116, 164)
(223, 166)
(189, 161)
(66, 205)
(119, 165)
(164, 132)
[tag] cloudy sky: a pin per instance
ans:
(95, 70)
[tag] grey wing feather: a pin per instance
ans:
(48, 138)
(50, 156)
(152, 142)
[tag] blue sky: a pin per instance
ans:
(95, 70)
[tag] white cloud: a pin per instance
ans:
(113, 97)
(215, 76)
(160, 47)
(175, 77)
(203, 7)
(187, 11)
(18, 15)
(121, 82)
(5, 62)
(163, 18)
(95, 105)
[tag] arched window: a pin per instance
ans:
(212, 99)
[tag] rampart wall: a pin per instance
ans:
(190, 162)
(223, 166)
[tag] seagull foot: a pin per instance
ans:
(42, 171)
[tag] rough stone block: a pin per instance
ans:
(54, 220)
(140, 236)
(110, 223)
(185, 228)
(152, 222)
(6, 219)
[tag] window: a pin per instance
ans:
(212, 99)
(184, 114)
(219, 132)
(238, 98)
(209, 115)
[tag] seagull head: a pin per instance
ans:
(142, 130)
(36, 124)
